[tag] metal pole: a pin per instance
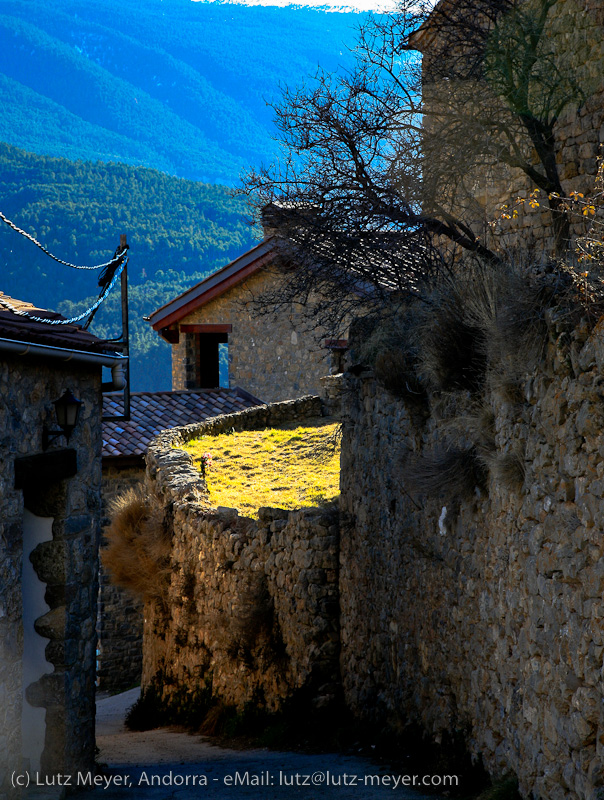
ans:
(125, 329)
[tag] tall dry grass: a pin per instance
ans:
(137, 554)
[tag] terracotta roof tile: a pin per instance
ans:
(152, 412)
(23, 329)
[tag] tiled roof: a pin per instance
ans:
(22, 329)
(213, 286)
(152, 412)
(369, 260)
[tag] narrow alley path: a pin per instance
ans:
(167, 763)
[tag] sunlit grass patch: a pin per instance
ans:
(294, 466)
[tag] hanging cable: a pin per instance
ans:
(86, 313)
(48, 253)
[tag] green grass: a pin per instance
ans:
(289, 467)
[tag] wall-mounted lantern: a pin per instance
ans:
(67, 410)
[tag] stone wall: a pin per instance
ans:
(274, 356)
(66, 564)
(120, 635)
(251, 609)
(576, 32)
(120, 615)
(484, 617)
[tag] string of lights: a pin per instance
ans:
(87, 313)
(48, 253)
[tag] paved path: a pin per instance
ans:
(168, 764)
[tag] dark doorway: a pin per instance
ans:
(209, 359)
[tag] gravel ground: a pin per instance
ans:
(168, 764)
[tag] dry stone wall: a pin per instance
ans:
(485, 617)
(251, 611)
(120, 637)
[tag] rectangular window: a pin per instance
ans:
(211, 353)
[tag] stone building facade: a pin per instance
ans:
(574, 34)
(49, 535)
(274, 356)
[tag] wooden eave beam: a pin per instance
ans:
(206, 328)
(211, 294)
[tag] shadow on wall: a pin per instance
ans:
(242, 614)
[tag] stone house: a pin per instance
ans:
(50, 511)
(274, 356)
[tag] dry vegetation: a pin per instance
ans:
(289, 467)
(137, 554)
(464, 353)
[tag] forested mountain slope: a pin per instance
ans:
(176, 85)
(169, 87)
(178, 231)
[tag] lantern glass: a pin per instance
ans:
(67, 409)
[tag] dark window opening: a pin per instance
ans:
(209, 359)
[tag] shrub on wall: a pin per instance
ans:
(450, 344)
(466, 347)
(138, 545)
(452, 474)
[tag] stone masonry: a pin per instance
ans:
(67, 565)
(251, 609)
(274, 357)
(120, 614)
(485, 617)
(576, 30)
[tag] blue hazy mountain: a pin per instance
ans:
(131, 116)
(175, 85)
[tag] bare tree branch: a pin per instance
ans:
(380, 165)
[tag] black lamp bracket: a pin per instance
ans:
(49, 436)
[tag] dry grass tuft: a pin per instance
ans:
(484, 316)
(394, 372)
(451, 347)
(376, 336)
(506, 384)
(509, 304)
(214, 720)
(472, 425)
(453, 474)
(387, 345)
(137, 554)
(507, 469)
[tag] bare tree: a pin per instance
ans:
(381, 165)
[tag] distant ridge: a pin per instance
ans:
(102, 102)
(361, 6)
(175, 85)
